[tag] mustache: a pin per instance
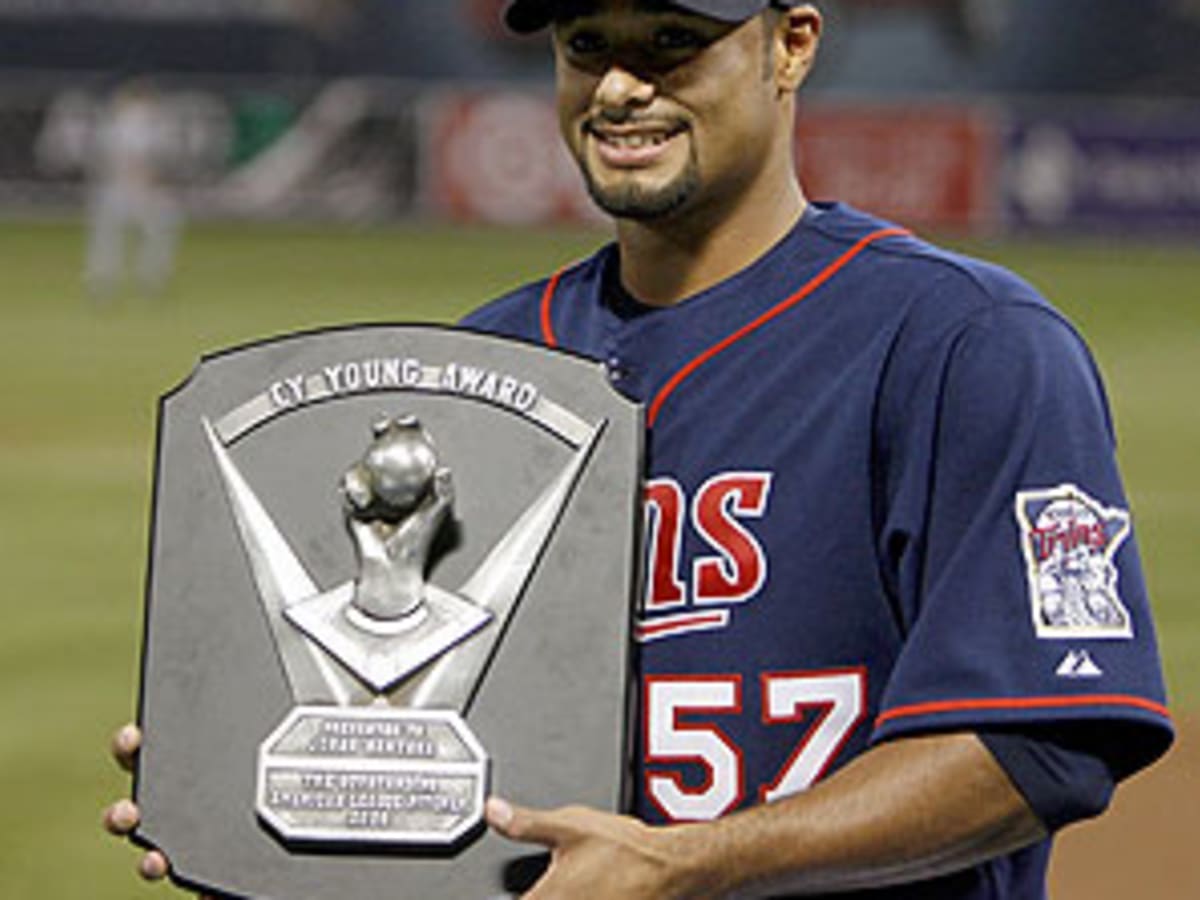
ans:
(634, 120)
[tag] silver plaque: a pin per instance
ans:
(392, 570)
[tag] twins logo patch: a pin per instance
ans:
(1069, 541)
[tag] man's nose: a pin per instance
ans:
(621, 90)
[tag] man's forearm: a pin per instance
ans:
(905, 811)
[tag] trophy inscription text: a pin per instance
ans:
(399, 776)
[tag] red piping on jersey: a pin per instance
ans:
(547, 300)
(990, 703)
(832, 269)
(680, 376)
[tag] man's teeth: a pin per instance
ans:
(635, 141)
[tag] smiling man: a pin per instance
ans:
(851, 676)
(659, 137)
(895, 631)
(683, 120)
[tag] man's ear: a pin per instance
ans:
(797, 34)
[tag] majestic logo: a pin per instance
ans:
(1069, 541)
(1078, 664)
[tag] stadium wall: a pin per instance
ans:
(377, 150)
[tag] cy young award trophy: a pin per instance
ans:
(392, 571)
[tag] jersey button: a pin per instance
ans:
(616, 371)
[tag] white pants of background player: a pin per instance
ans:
(116, 213)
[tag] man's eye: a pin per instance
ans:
(678, 38)
(586, 43)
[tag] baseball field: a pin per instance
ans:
(79, 381)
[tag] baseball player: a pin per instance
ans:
(130, 193)
(895, 632)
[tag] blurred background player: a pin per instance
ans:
(131, 193)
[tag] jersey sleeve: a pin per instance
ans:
(1011, 547)
(513, 315)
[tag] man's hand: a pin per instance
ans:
(123, 816)
(599, 855)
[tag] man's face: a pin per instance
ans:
(663, 109)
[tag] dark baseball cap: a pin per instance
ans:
(525, 16)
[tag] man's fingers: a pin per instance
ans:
(550, 828)
(153, 866)
(121, 818)
(500, 815)
(125, 744)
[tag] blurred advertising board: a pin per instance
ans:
(926, 166)
(375, 150)
(1105, 169)
(495, 156)
(337, 150)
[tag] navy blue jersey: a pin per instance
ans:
(881, 501)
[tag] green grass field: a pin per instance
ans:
(80, 384)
